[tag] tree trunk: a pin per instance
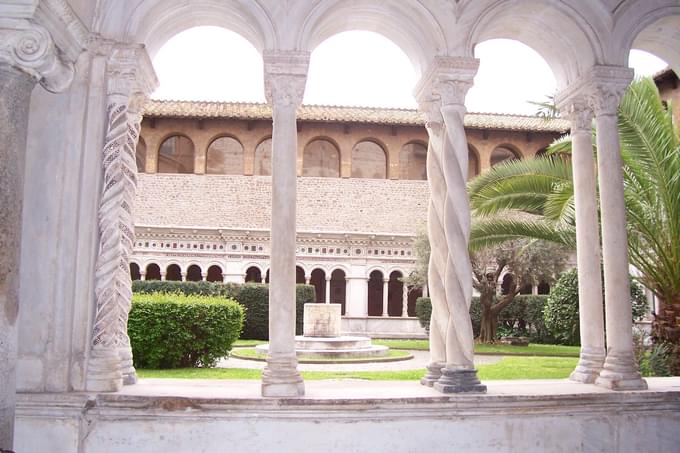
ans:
(666, 330)
(489, 322)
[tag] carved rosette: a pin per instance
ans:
(111, 357)
(442, 94)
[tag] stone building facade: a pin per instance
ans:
(203, 208)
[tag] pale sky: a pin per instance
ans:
(353, 68)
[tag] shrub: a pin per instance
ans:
(176, 330)
(561, 310)
(228, 290)
(255, 299)
(423, 312)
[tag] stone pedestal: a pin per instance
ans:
(459, 381)
(322, 320)
(434, 372)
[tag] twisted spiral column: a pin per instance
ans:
(442, 95)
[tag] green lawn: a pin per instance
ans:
(508, 368)
(549, 350)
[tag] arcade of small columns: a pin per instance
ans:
(29, 55)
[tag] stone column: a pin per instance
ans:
(307, 279)
(328, 289)
(385, 295)
(163, 274)
(27, 55)
(425, 291)
(404, 300)
(285, 78)
(620, 372)
(441, 94)
(204, 276)
(130, 77)
(591, 322)
(142, 275)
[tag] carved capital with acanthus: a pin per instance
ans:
(449, 79)
(578, 111)
(285, 76)
(602, 87)
(130, 73)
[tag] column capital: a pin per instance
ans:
(42, 39)
(602, 87)
(578, 111)
(285, 76)
(447, 80)
(130, 74)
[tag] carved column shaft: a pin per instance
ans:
(620, 370)
(591, 322)
(285, 77)
(129, 79)
(385, 296)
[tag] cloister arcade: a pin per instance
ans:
(64, 344)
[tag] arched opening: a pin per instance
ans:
(375, 294)
(526, 289)
(395, 294)
(299, 276)
(225, 157)
(263, 158)
(140, 156)
(321, 158)
(413, 295)
(503, 153)
(412, 161)
(473, 162)
(253, 275)
(505, 283)
(215, 274)
(134, 272)
(318, 280)
(173, 273)
(369, 160)
(338, 289)
(153, 272)
(194, 273)
(176, 155)
(543, 288)
(266, 277)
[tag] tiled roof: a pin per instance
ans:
(403, 117)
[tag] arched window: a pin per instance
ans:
(194, 274)
(543, 288)
(153, 272)
(413, 295)
(253, 275)
(134, 272)
(473, 163)
(225, 157)
(173, 273)
(395, 288)
(321, 158)
(412, 161)
(299, 276)
(369, 161)
(176, 155)
(338, 289)
(501, 154)
(318, 280)
(140, 156)
(263, 158)
(375, 294)
(214, 274)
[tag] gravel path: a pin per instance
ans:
(419, 361)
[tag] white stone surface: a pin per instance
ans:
(321, 320)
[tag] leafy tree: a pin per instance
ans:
(542, 189)
(524, 262)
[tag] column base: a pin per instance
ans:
(280, 377)
(455, 380)
(589, 366)
(127, 368)
(434, 372)
(103, 370)
(620, 372)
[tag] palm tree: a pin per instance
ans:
(541, 190)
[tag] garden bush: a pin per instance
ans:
(175, 330)
(423, 312)
(229, 290)
(255, 299)
(561, 310)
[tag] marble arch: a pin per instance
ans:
(67, 329)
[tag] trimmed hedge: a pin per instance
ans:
(524, 313)
(254, 297)
(177, 331)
